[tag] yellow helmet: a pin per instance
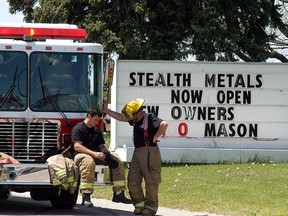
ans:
(132, 107)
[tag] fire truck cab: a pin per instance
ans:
(48, 79)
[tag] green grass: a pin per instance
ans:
(229, 189)
(250, 189)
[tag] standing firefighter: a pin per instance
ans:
(146, 160)
(89, 147)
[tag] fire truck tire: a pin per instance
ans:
(64, 200)
(43, 194)
(4, 193)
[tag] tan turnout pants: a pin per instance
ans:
(151, 172)
(86, 166)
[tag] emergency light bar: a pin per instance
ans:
(42, 32)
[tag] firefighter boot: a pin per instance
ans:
(148, 212)
(120, 197)
(138, 211)
(86, 200)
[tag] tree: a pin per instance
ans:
(214, 30)
(24, 6)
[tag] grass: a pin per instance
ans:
(254, 189)
(235, 189)
(249, 189)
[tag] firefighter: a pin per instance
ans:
(146, 160)
(88, 143)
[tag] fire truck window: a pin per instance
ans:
(64, 81)
(13, 80)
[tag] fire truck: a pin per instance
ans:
(48, 79)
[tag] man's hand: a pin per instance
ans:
(109, 160)
(82, 149)
(155, 140)
(105, 106)
(113, 114)
(100, 156)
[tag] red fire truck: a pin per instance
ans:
(48, 79)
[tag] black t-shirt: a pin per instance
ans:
(90, 137)
(138, 131)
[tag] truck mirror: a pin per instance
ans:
(109, 71)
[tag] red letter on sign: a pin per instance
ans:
(182, 129)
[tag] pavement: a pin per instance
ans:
(162, 211)
(23, 204)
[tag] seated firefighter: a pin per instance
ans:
(88, 143)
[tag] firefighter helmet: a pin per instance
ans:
(132, 107)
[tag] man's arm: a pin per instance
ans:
(82, 149)
(113, 114)
(161, 130)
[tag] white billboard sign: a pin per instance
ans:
(236, 106)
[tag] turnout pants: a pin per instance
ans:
(145, 163)
(118, 178)
(118, 175)
(86, 166)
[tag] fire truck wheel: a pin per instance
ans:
(64, 200)
(42, 194)
(4, 193)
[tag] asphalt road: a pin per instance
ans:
(22, 204)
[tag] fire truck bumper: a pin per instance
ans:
(38, 175)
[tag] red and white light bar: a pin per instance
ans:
(42, 31)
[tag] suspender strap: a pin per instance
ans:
(146, 138)
(145, 125)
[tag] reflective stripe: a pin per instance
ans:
(119, 183)
(154, 209)
(85, 185)
(65, 186)
(74, 185)
(140, 204)
(70, 179)
(61, 174)
(56, 182)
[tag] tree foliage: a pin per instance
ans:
(214, 30)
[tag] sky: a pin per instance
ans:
(5, 16)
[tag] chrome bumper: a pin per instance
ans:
(38, 175)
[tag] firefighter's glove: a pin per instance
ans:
(112, 163)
